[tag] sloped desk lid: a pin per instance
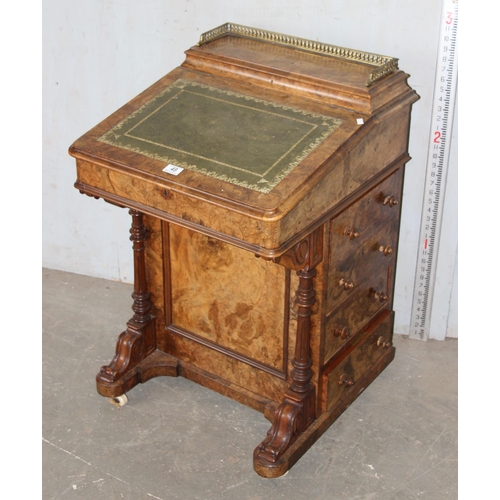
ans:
(253, 118)
(232, 137)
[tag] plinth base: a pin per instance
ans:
(157, 364)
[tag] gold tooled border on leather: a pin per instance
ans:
(311, 129)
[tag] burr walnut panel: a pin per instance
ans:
(154, 271)
(222, 371)
(228, 297)
(352, 171)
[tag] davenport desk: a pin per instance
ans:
(264, 178)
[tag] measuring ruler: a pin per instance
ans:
(437, 167)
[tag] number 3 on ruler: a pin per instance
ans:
(437, 165)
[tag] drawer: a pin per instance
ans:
(363, 266)
(357, 223)
(346, 321)
(344, 372)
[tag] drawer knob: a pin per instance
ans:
(390, 200)
(346, 284)
(342, 332)
(351, 232)
(380, 296)
(387, 250)
(345, 380)
(382, 342)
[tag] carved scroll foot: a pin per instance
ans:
(295, 414)
(134, 344)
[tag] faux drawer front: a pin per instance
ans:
(357, 359)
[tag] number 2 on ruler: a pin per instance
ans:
(437, 163)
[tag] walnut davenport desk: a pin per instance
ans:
(263, 178)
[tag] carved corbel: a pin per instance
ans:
(306, 254)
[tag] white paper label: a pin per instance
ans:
(360, 121)
(173, 169)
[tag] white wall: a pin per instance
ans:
(98, 54)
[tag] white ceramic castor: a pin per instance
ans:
(120, 400)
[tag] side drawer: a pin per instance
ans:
(363, 266)
(346, 321)
(345, 371)
(359, 221)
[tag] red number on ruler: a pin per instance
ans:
(437, 136)
(449, 17)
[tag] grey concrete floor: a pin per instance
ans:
(177, 440)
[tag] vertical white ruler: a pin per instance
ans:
(437, 167)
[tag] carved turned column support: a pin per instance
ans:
(139, 339)
(301, 374)
(297, 410)
(138, 236)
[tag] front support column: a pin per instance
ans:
(138, 341)
(297, 410)
(142, 304)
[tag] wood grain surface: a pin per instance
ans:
(280, 298)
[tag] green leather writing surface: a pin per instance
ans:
(232, 137)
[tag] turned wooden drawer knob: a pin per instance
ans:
(346, 284)
(342, 332)
(345, 380)
(381, 296)
(390, 200)
(382, 342)
(387, 250)
(351, 232)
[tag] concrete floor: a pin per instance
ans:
(177, 440)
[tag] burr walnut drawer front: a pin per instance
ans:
(352, 227)
(357, 223)
(348, 319)
(366, 266)
(349, 367)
